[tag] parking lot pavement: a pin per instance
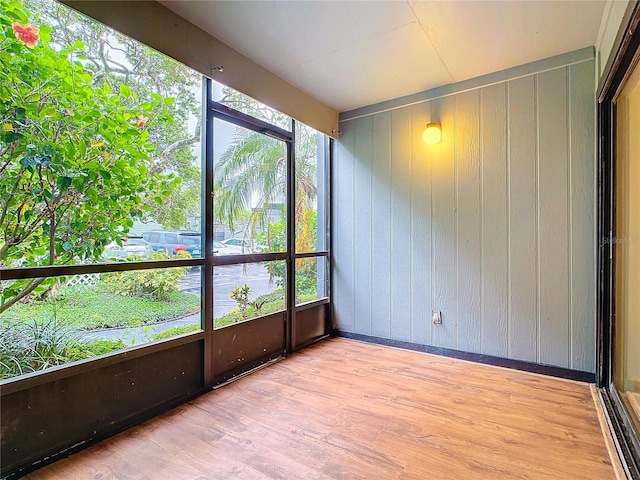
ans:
(225, 279)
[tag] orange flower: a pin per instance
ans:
(27, 34)
(141, 121)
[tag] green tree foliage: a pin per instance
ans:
(156, 284)
(306, 276)
(119, 60)
(245, 104)
(75, 156)
(254, 166)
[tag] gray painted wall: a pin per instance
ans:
(494, 226)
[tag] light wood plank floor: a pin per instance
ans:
(346, 409)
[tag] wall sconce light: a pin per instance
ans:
(432, 134)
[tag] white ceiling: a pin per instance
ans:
(349, 54)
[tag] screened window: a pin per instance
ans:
(124, 221)
(99, 148)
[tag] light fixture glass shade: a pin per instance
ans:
(432, 134)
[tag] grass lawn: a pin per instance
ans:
(89, 308)
(44, 333)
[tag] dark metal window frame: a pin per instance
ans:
(627, 57)
(211, 110)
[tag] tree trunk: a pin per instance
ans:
(31, 286)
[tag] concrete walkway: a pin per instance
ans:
(225, 279)
(138, 335)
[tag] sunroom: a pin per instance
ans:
(319, 239)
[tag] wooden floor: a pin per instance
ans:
(345, 409)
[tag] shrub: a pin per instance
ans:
(309, 297)
(175, 331)
(33, 346)
(274, 236)
(241, 297)
(158, 284)
(78, 350)
(75, 154)
(307, 282)
(251, 312)
(276, 295)
(305, 296)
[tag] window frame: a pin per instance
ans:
(627, 57)
(205, 262)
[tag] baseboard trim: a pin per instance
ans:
(549, 370)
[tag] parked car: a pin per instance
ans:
(131, 245)
(238, 245)
(172, 242)
(192, 242)
(220, 248)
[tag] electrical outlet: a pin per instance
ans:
(436, 316)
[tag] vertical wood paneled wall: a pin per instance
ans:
(494, 227)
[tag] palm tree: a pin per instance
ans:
(252, 172)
